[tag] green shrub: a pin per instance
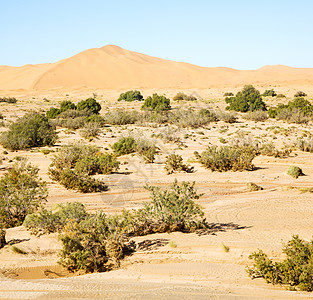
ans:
(121, 117)
(32, 130)
(182, 96)
(174, 162)
(52, 113)
(66, 105)
(300, 94)
(47, 221)
(8, 99)
(294, 171)
(22, 192)
(124, 145)
(130, 96)
(269, 93)
(89, 104)
(226, 158)
(249, 99)
(296, 270)
(156, 103)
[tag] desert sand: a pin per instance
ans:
(112, 67)
(198, 268)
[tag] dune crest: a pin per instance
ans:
(112, 67)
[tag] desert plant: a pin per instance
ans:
(90, 131)
(225, 248)
(228, 94)
(294, 171)
(305, 144)
(130, 96)
(124, 145)
(174, 162)
(193, 119)
(227, 117)
(52, 113)
(31, 130)
(269, 93)
(66, 105)
(253, 187)
(281, 96)
(22, 192)
(156, 103)
(300, 94)
(257, 115)
(182, 96)
(121, 117)
(48, 221)
(146, 148)
(8, 99)
(226, 158)
(89, 104)
(296, 270)
(18, 250)
(249, 99)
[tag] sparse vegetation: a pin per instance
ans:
(121, 117)
(296, 270)
(257, 115)
(174, 163)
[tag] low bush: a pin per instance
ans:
(174, 162)
(48, 221)
(22, 192)
(156, 103)
(269, 93)
(300, 94)
(8, 99)
(294, 171)
(192, 119)
(228, 94)
(305, 144)
(146, 148)
(130, 96)
(124, 145)
(281, 96)
(253, 187)
(227, 117)
(249, 99)
(90, 105)
(121, 117)
(31, 130)
(256, 116)
(182, 96)
(296, 270)
(90, 130)
(227, 158)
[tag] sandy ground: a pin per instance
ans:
(199, 267)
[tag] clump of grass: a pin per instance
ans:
(295, 171)
(253, 187)
(225, 248)
(172, 244)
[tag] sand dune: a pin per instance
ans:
(112, 67)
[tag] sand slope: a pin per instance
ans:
(112, 67)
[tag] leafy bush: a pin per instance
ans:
(32, 130)
(174, 162)
(269, 93)
(294, 171)
(300, 94)
(156, 103)
(182, 96)
(121, 117)
(124, 145)
(52, 113)
(22, 192)
(249, 99)
(296, 270)
(47, 221)
(226, 158)
(89, 104)
(130, 96)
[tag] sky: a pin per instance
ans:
(240, 34)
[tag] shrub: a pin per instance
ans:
(174, 162)
(190, 118)
(121, 117)
(249, 99)
(269, 93)
(52, 113)
(182, 96)
(32, 130)
(90, 131)
(294, 171)
(130, 96)
(124, 145)
(226, 158)
(156, 103)
(8, 99)
(22, 192)
(253, 187)
(300, 94)
(257, 115)
(296, 270)
(66, 105)
(281, 96)
(228, 94)
(47, 221)
(2, 238)
(89, 104)
(95, 120)
(227, 117)
(305, 144)
(146, 149)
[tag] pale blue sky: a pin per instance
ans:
(240, 34)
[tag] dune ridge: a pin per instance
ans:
(112, 67)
